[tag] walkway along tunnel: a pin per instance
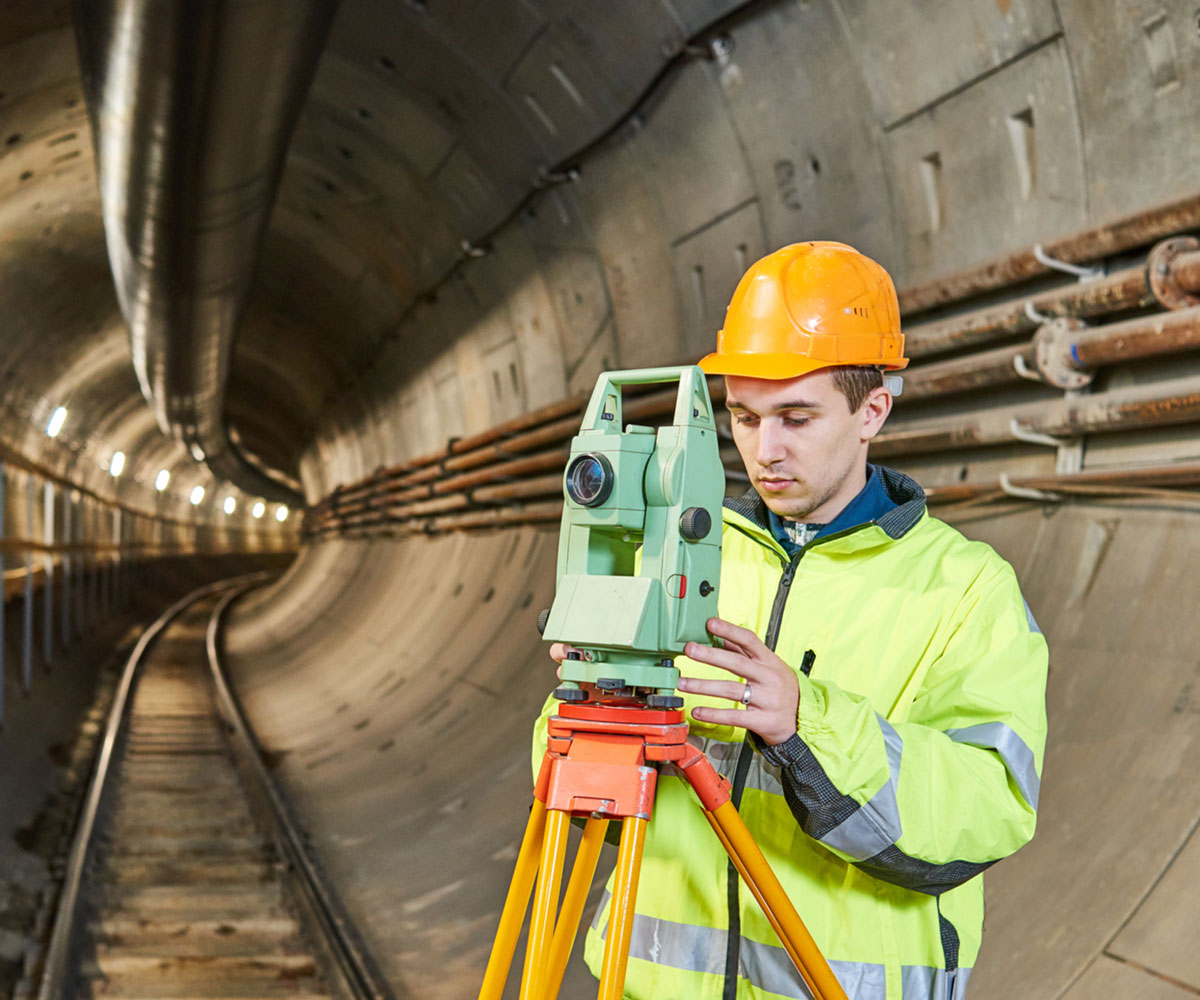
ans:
(333, 282)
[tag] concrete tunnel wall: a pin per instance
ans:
(394, 681)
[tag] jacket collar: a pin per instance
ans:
(896, 523)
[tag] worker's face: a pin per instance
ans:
(804, 450)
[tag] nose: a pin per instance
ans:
(769, 447)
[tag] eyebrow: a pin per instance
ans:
(798, 404)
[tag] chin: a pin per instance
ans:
(786, 506)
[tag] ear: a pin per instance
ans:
(874, 412)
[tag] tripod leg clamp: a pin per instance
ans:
(713, 790)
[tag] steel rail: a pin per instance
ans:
(58, 954)
(360, 974)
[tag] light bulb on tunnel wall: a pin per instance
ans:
(57, 419)
(161, 480)
(197, 495)
(258, 509)
(230, 505)
(281, 513)
(117, 463)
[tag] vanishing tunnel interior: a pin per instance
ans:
(331, 279)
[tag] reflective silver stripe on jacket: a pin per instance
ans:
(1029, 619)
(919, 982)
(876, 826)
(702, 949)
(1013, 750)
(872, 828)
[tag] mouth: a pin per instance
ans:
(775, 484)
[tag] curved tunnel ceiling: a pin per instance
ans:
(481, 207)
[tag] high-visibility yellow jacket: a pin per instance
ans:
(915, 766)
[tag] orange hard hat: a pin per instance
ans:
(809, 306)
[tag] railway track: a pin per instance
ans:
(187, 879)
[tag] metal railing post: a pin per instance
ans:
(48, 565)
(27, 631)
(67, 560)
(3, 592)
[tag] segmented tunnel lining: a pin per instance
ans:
(185, 899)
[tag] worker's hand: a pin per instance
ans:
(558, 652)
(774, 690)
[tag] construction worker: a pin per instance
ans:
(879, 706)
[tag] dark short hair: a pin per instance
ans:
(855, 382)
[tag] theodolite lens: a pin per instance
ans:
(589, 480)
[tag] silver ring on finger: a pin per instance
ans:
(746, 696)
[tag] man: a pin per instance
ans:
(884, 671)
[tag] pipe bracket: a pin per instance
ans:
(1160, 274)
(1026, 492)
(1066, 267)
(1034, 316)
(1021, 367)
(1030, 436)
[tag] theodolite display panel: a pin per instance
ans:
(639, 556)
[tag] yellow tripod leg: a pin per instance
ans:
(567, 925)
(541, 924)
(515, 904)
(756, 872)
(620, 920)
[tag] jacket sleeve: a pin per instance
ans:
(930, 802)
(540, 729)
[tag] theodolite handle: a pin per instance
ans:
(693, 407)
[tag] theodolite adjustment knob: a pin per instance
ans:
(543, 617)
(695, 523)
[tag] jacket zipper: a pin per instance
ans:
(733, 945)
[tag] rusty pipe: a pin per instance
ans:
(1155, 405)
(1165, 477)
(1115, 236)
(1064, 351)
(1130, 288)
(975, 371)
(1068, 354)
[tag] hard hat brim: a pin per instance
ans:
(768, 366)
(773, 366)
